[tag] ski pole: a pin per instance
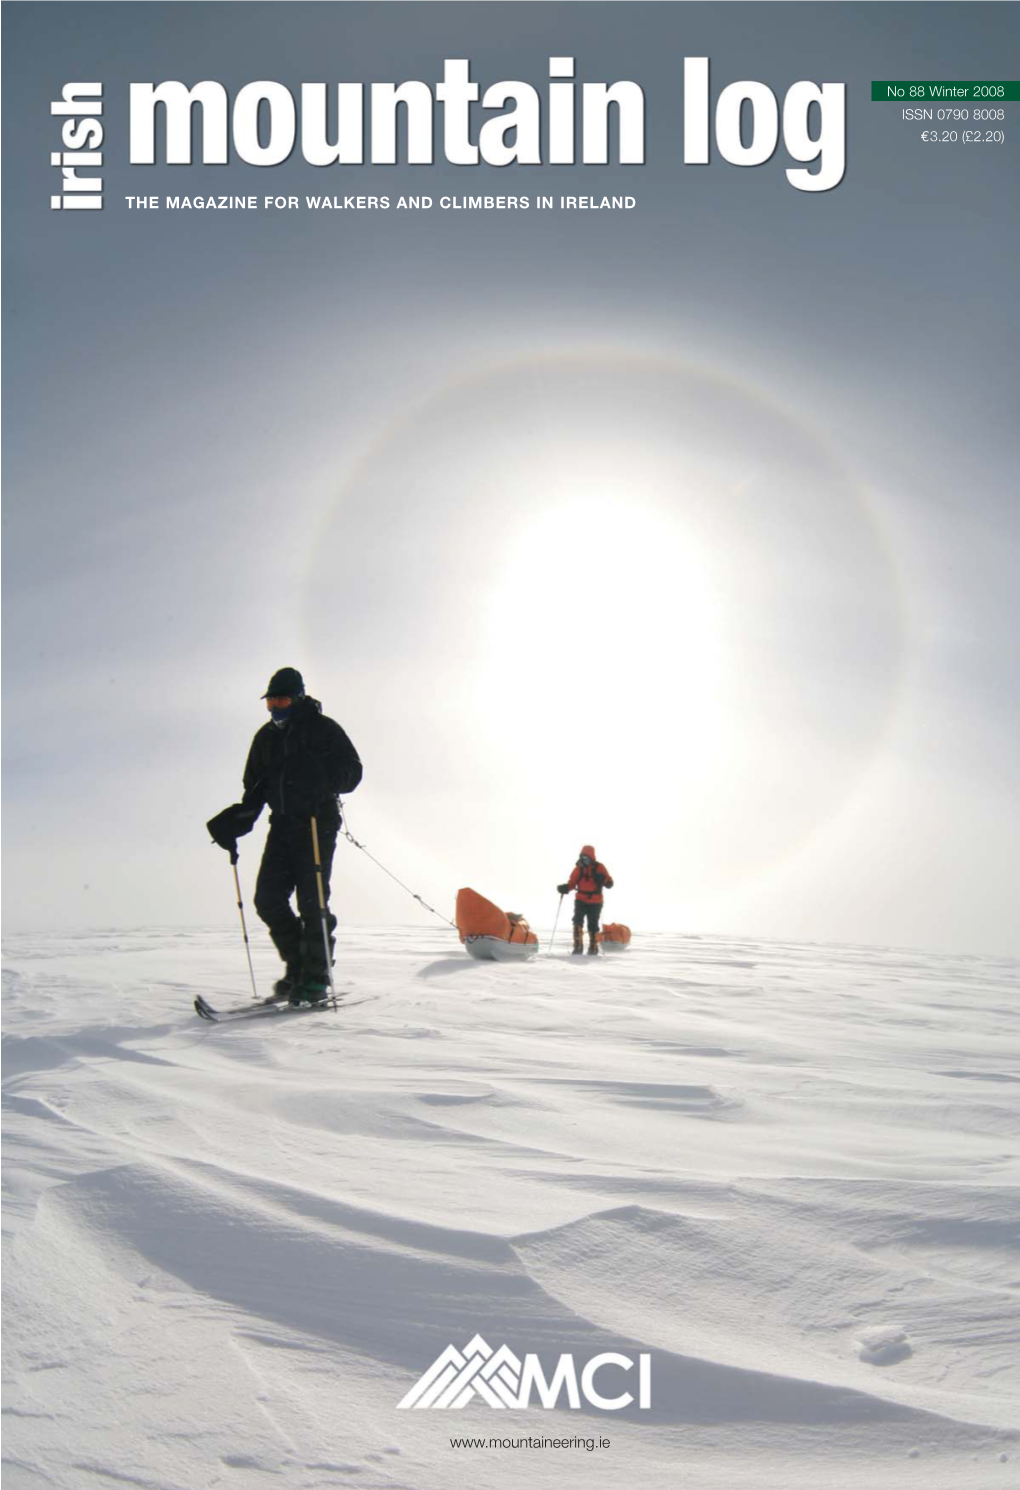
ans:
(322, 909)
(244, 929)
(555, 924)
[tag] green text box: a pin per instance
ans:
(922, 92)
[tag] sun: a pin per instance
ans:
(609, 605)
(611, 589)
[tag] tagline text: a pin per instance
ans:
(382, 204)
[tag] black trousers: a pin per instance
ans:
(589, 913)
(288, 866)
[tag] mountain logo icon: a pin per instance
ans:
(478, 1371)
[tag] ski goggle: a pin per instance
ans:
(585, 860)
(276, 701)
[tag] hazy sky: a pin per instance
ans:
(690, 531)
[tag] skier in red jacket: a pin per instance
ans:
(588, 879)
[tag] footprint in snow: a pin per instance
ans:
(883, 1345)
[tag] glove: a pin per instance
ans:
(230, 825)
(563, 889)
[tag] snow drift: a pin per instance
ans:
(788, 1172)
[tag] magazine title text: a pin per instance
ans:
(354, 124)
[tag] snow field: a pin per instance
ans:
(788, 1172)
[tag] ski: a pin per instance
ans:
(205, 1010)
(248, 1007)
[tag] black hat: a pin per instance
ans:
(286, 682)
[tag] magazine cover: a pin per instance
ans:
(511, 943)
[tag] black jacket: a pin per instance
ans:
(301, 768)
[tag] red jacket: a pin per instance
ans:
(590, 881)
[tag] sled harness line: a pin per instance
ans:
(351, 839)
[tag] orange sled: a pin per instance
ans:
(491, 934)
(614, 937)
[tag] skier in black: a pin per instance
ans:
(299, 763)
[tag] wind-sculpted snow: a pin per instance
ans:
(787, 1173)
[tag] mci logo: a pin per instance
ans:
(502, 1380)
